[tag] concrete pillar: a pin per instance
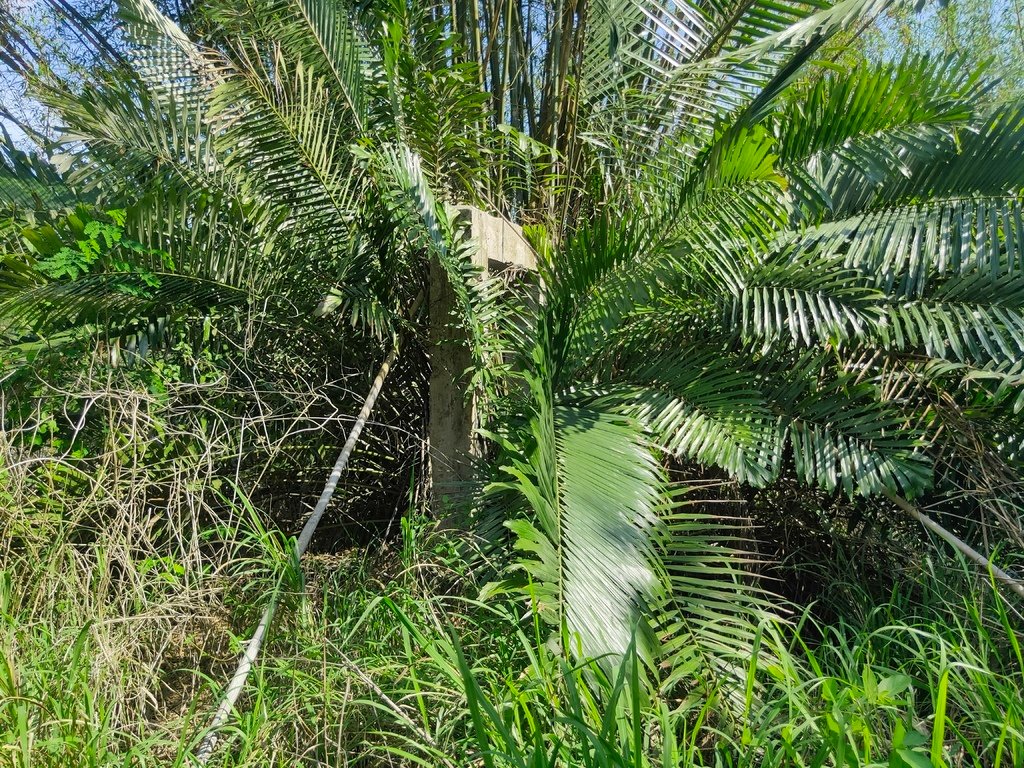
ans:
(452, 446)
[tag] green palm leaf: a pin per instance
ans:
(28, 181)
(591, 492)
(712, 615)
(806, 301)
(843, 437)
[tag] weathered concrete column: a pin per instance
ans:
(452, 447)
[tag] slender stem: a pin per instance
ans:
(252, 650)
(959, 544)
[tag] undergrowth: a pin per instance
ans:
(127, 591)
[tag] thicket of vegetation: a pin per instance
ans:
(741, 440)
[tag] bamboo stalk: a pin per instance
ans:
(252, 650)
(959, 544)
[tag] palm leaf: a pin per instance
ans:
(590, 492)
(328, 29)
(28, 181)
(716, 608)
(110, 302)
(843, 437)
(289, 136)
(803, 300)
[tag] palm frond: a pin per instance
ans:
(329, 29)
(842, 437)
(112, 301)
(161, 54)
(716, 609)
(871, 120)
(289, 136)
(698, 406)
(221, 238)
(29, 182)
(427, 225)
(668, 74)
(974, 317)
(980, 160)
(591, 491)
(803, 300)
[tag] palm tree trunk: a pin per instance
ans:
(252, 649)
(959, 544)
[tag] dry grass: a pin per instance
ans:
(137, 551)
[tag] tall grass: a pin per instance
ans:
(126, 586)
